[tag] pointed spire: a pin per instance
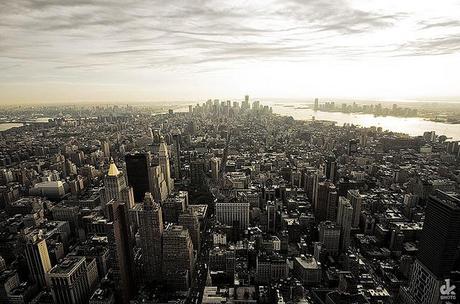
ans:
(113, 170)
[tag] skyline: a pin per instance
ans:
(138, 51)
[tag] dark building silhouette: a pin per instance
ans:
(441, 234)
(438, 252)
(138, 174)
(326, 202)
(150, 233)
(331, 169)
(197, 173)
(178, 259)
(120, 253)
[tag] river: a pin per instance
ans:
(6, 126)
(413, 126)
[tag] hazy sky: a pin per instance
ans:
(123, 50)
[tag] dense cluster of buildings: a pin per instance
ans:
(376, 109)
(225, 202)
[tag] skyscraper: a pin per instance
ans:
(329, 236)
(120, 251)
(158, 186)
(326, 202)
(178, 258)
(69, 281)
(116, 187)
(176, 153)
(138, 175)
(150, 233)
(344, 219)
(38, 259)
(245, 104)
(163, 158)
(441, 234)
(215, 168)
(105, 146)
(311, 184)
(439, 249)
(331, 169)
(356, 200)
(197, 173)
(190, 221)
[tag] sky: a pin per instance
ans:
(166, 50)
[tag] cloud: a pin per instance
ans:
(73, 35)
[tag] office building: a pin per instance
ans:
(120, 249)
(438, 250)
(307, 270)
(326, 202)
(116, 187)
(356, 201)
(271, 268)
(150, 234)
(163, 160)
(137, 165)
(178, 257)
(69, 281)
(329, 236)
(38, 260)
(215, 168)
(197, 173)
(344, 219)
(190, 221)
(233, 213)
(158, 187)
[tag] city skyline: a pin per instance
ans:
(137, 51)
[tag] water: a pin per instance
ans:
(6, 126)
(413, 126)
(9, 125)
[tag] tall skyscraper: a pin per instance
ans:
(178, 258)
(69, 281)
(176, 146)
(150, 233)
(331, 169)
(215, 168)
(105, 146)
(190, 221)
(138, 175)
(271, 212)
(120, 249)
(326, 202)
(245, 104)
(38, 259)
(344, 219)
(158, 186)
(311, 184)
(439, 249)
(116, 187)
(163, 158)
(329, 236)
(356, 201)
(197, 173)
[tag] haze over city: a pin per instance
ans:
(137, 51)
